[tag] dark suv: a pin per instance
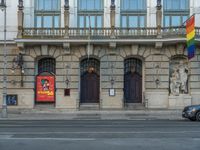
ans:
(192, 112)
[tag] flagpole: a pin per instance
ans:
(187, 20)
(88, 48)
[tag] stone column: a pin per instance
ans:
(159, 17)
(112, 17)
(20, 18)
(66, 17)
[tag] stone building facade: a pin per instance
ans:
(113, 66)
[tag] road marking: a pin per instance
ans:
(58, 139)
(88, 125)
(5, 136)
(96, 132)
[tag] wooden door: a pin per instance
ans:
(90, 81)
(133, 81)
(90, 88)
(133, 88)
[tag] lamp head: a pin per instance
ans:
(2, 5)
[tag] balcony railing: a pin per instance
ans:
(105, 33)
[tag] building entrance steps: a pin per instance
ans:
(89, 106)
(59, 114)
(134, 106)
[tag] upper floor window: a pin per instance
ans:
(48, 5)
(177, 5)
(133, 13)
(175, 12)
(90, 5)
(90, 13)
(47, 13)
(133, 5)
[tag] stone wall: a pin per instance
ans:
(155, 73)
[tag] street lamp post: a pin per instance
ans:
(4, 106)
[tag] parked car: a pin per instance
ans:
(192, 112)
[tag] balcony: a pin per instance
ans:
(166, 34)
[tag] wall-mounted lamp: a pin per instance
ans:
(112, 81)
(157, 67)
(18, 62)
(67, 80)
(157, 81)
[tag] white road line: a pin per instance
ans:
(96, 132)
(112, 125)
(58, 139)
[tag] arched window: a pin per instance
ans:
(90, 65)
(133, 65)
(46, 65)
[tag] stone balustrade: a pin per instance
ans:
(105, 33)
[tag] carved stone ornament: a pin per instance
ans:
(112, 2)
(179, 79)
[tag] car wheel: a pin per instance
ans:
(192, 119)
(198, 116)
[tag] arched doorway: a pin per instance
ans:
(90, 81)
(45, 81)
(133, 80)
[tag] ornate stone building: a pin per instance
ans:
(104, 54)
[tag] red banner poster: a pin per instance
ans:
(45, 89)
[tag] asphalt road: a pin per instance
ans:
(99, 135)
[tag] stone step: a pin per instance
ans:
(134, 106)
(89, 106)
(44, 106)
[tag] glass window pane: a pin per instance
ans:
(175, 20)
(87, 22)
(81, 21)
(141, 4)
(184, 18)
(167, 4)
(97, 4)
(56, 22)
(133, 21)
(55, 4)
(142, 21)
(47, 21)
(166, 21)
(83, 5)
(47, 5)
(99, 21)
(90, 4)
(124, 22)
(39, 21)
(92, 21)
(40, 4)
(125, 4)
(176, 4)
(132, 4)
(184, 4)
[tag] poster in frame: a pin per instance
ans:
(12, 99)
(45, 88)
(111, 92)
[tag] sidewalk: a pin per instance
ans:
(150, 114)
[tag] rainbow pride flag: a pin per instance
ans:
(190, 34)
